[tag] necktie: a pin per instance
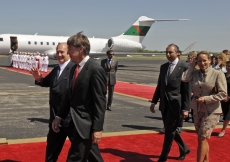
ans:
(75, 75)
(58, 73)
(170, 69)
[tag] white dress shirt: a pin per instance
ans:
(82, 63)
(174, 63)
(62, 67)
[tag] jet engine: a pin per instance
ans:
(121, 44)
(51, 54)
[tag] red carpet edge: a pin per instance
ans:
(4, 141)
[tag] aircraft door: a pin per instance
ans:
(13, 44)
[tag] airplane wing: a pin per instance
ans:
(188, 49)
(122, 54)
(171, 19)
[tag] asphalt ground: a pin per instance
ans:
(24, 109)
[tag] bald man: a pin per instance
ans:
(57, 80)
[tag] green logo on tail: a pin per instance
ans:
(137, 30)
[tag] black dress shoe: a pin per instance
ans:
(162, 159)
(109, 108)
(182, 156)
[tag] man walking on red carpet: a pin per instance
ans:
(86, 100)
(174, 98)
(57, 80)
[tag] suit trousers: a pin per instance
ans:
(110, 95)
(83, 149)
(171, 122)
(55, 141)
(181, 121)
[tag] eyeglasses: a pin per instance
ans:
(111, 54)
(170, 52)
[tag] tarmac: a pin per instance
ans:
(24, 108)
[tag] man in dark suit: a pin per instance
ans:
(174, 98)
(110, 66)
(58, 80)
(87, 90)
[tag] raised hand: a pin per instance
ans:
(36, 73)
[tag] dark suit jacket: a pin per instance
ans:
(176, 92)
(87, 100)
(58, 90)
(110, 70)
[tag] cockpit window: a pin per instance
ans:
(1, 39)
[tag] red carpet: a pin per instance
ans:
(137, 90)
(130, 148)
(24, 71)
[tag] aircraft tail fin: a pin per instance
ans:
(188, 49)
(140, 28)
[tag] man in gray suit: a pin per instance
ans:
(110, 66)
(174, 98)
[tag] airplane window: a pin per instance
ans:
(29, 42)
(53, 43)
(47, 43)
(1, 39)
(35, 43)
(41, 43)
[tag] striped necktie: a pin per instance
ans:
(170, 69)
(58, 73)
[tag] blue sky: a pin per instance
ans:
(209, 24)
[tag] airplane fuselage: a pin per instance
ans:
(47, 44)
(43, 44)
(128, 42)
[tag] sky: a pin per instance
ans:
(209, 20)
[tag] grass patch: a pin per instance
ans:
(3, 56)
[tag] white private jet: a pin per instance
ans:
(129, 41)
